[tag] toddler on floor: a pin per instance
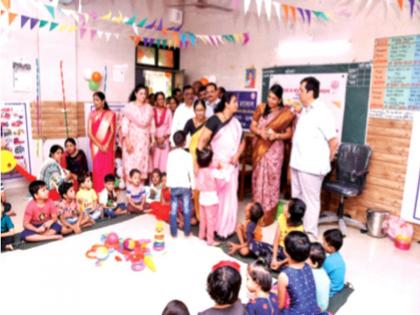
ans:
(136, 194)
(40, 218)
(108, 199)
(334, 264)
(87, 198)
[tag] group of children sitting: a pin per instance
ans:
(311, 275)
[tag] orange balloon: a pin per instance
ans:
(204, 81)
(96, 76)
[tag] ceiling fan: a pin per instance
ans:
(201, 4)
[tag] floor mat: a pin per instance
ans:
(19, 244)
(338, 300)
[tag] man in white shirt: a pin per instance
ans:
(212, 98)
(183, 113)
(314, 146)
(180, 178)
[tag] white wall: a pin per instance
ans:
(77, 55)
(229, 62)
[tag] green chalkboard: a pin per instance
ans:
(357, 93)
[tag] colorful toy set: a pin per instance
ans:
(159, 242)
(134, 251)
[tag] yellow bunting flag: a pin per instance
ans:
(107, 16)
(72, 28)
(118, 19)
(62, 27)
(6, 4)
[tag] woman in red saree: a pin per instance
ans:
(272, 125)
(101, 131)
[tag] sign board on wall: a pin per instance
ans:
(332, 92)
(15, 132)
(247, 103)
(395, 90)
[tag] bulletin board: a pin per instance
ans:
(356, 96)
(15, 131)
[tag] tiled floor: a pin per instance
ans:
(386, 280)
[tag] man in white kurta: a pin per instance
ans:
(314, 146)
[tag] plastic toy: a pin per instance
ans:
(159, 242)
(134, 251)
(129, 244)
(8, 164)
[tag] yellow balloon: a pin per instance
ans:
(8, 162)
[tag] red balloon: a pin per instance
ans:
(96, 76)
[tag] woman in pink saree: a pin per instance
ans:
(163, 122)
(138, 130)
(272, 125)
(224, 134)
(101, 131)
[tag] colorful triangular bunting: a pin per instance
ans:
(34, 22)
(23, 20)
(42, 23)
(53, 25)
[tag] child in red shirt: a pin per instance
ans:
(40, 219)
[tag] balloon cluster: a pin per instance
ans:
(94, 78)
(134, 251)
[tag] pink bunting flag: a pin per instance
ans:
(246, 38)
(82, 32)
(93, 33)
(235, 5)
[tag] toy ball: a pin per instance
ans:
(129, 244)
(96, 76)
(102, 253)
(112, 239)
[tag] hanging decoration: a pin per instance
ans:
(289, 11)
(177, 38)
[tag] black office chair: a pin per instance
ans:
(351, 170)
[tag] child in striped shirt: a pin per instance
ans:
(136, 194)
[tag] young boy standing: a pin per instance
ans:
(180, 180)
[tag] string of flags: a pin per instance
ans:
(286, 12)
(174, 37)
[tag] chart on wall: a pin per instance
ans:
(332, 92)
(346, 87)
(395, 91)
(15, 132)
(247, 103)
